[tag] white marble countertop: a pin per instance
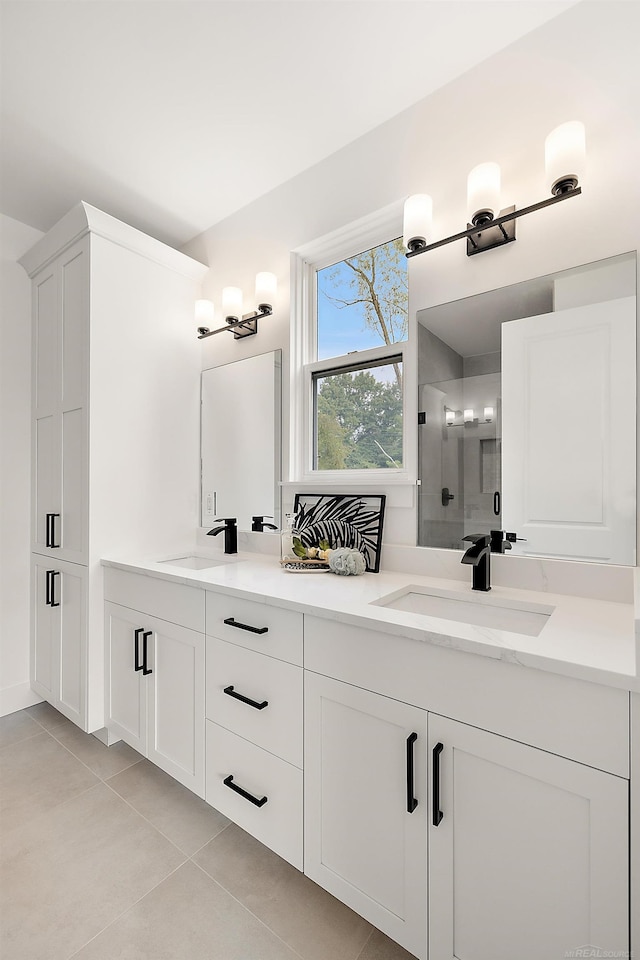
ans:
(595, 640)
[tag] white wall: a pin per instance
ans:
(15, 465)
(581, 66)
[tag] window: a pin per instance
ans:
(352, 381)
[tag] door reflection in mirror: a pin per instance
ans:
(528, 415)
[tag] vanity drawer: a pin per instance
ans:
(277, 821)
(257, 626)
(156, 597)
(277, 726)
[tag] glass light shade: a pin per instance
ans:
(468, 416)
(483, 191)
(449, 417)
(488, 413)
(418, 216)
(232, 303)
(204, 313)
(564, 156)
(266, 287)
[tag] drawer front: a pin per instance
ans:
(257, 626)
(174, 602)
(583, 721)
(273, 718)
(277, 820)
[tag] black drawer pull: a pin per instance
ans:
(435, 786)
(145, 637)
(238, 696)
(228, 782)
(244, 626)
(136, 648)
(412, 802)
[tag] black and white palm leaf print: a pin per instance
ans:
(344, 520)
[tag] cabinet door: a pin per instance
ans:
(529, 859)
(58, 650)
(365, 835)
(60, 383)
(126, 694)
(176, 702)
(45, 646)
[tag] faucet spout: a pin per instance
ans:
(230, 531)
(479, 556)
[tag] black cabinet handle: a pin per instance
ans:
(496, 503)
(145, 637)
(136, 649)
(412, 802)
(238, 696)
(48, 585)
(228, 782)
(51, 530)
(435, 779)
(54, 574)
(244, 626)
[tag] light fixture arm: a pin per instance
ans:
(472, 232)
(246, 326)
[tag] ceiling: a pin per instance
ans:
(172, 114)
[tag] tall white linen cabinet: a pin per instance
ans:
(115, 433)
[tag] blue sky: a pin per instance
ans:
(340, 330)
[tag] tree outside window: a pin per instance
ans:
(362, 302)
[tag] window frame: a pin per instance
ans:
(371, 231)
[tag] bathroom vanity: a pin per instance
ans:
(488, 761)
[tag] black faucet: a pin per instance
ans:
(479, 554)
(258, 524)
(230, 534)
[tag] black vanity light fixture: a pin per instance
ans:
(241, 325)
(564, 164)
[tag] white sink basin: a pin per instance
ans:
(482, 611)
(196, 563)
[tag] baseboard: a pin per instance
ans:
(17, 698)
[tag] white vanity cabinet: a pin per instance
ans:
(366, 805)
(59, 605)
(114, 452)
(527, 839)
(254, 701)
(156, 671)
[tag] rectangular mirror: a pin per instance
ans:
(527, 415)
(240, 440)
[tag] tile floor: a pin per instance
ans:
(105, 857)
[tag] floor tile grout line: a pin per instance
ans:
(364, 945)
(248, 910)
(213, 837)
(17, 743)
(80, 760)
(130, 907)
(146, 819)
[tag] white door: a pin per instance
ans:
(569, 432)
(126, 695)
(176, 708)
(365, 805)
(530, 856)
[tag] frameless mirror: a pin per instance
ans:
(240, 440)
(527, 415)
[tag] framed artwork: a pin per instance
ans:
(345, 520)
